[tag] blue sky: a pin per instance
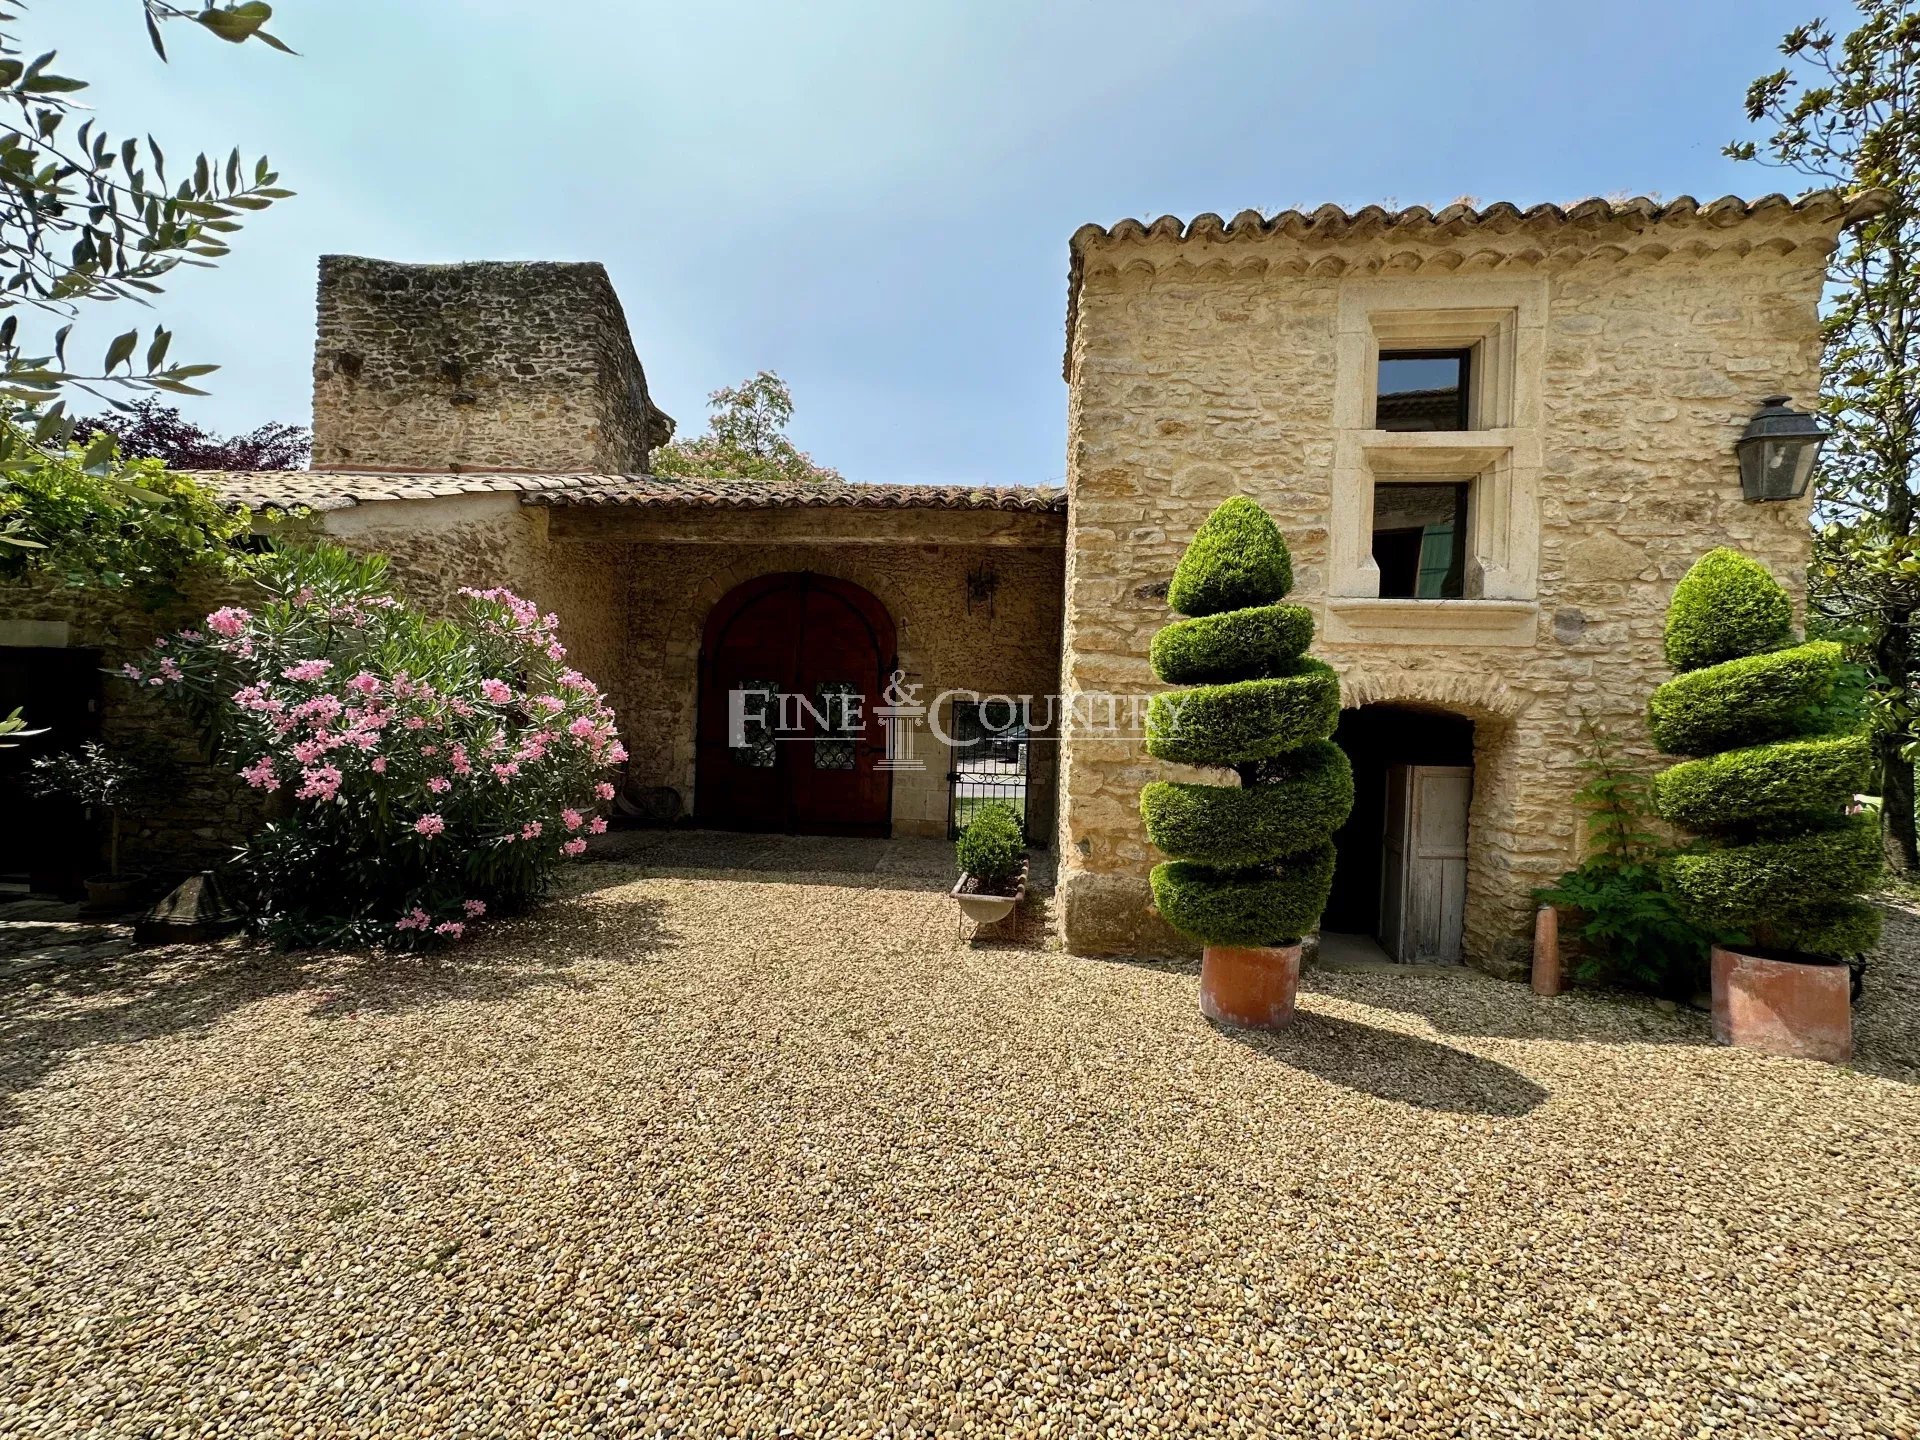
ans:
(874, 199)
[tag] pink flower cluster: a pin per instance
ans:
(488, 748)
(319, 783)
(228, 622)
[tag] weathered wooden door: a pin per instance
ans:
(791, 669)
(1423, 898)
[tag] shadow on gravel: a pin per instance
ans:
(1886, 1018)
(1473, 1004)
(1389, 1065)
(152, 994)
(840, 861)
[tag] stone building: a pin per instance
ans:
(1493, 438)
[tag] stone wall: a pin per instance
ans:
(438, 546)
(1204, 368)
(488, 365)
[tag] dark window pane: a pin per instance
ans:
(1423, 390)
(758, 709)
(1420, 541)
(837, 702)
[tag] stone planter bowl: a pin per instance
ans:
(985, 909)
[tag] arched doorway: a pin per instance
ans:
(1401, 877)
(792, 667)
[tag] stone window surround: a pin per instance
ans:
(1504, 321)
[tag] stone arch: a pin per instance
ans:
(1481, 697)
(796, 629)
(1498, 743)
(679, 634)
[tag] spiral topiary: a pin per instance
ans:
(1252, 863)
(1780, 862)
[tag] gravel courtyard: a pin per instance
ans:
(756, 1154)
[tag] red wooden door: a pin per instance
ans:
(791, 669)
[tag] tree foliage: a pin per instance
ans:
(746, 439)
(88, 517)
(86, 221)
(1843, 113)
(149, 430)
(1631, 933)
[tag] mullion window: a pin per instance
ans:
(1424, 390)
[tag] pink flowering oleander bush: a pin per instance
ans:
(428, 774)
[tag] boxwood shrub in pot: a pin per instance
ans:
(1252, 861)
(991, 848)
(1781, 861)
(992, 851)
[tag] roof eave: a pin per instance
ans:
(1332, 223)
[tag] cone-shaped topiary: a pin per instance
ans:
(1252, 863)
(1781, 863)
(1236, 559)
(1726, 606)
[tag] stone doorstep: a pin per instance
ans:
(1388, 967)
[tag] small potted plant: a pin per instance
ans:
(1252, 863)
(1784, 854)
(993, 864)
(106, 782)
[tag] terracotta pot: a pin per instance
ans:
(1250, 987)
(1783, 1007)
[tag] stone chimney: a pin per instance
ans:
(492, 365)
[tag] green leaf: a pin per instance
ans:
(121, 350)
(52, 85)
(236, 23)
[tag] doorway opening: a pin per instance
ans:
(991, 753)
(1400, 880)
(48, 845)
(792, 670)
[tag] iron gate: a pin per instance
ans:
(990, 754)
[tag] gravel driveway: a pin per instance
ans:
(739, 1155)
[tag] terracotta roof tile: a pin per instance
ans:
(340, 489)
(1417, 224)
(1331, 221)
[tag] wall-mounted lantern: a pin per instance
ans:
(1777, 451)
